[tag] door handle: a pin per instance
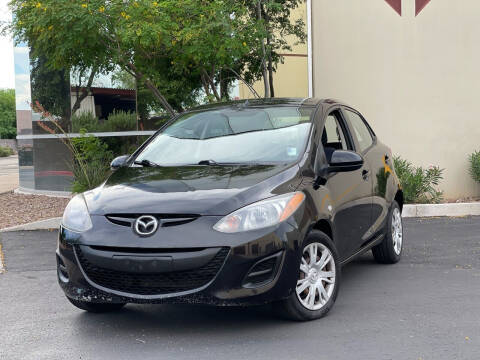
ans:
(365, 174)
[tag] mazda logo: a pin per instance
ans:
(145, 225)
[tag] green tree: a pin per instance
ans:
(160, 43)
(51, 88)
(8, 124)
(181, 93)
(173, 48)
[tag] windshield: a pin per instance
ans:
(232, 135)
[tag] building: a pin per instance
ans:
(411, 67)
(101, 102)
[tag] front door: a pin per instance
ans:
(350, 193)
(379, 159)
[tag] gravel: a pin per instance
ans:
(18, 209)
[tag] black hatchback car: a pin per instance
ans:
(236, 204)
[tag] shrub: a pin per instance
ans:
(91, 162)
(117, 121)
(419, 184)
(474, 160)
(85, 121)
(120, 121)
(91, 157)
(5, 151)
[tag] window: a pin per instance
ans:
(362, 133)
(333, 137)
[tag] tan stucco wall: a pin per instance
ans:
(290, 80)
(415, 79)
(291, 77)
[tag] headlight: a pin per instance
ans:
(75, 216)
(261, 214)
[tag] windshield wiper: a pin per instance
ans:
(214, 163)
(146, 163)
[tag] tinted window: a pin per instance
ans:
(360, 129)
(232, 135)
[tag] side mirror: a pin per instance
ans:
(345, 160)
(340, 161)
(118, 162)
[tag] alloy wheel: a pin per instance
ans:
(317, 276)
(397, 231)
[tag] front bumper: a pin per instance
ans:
(190, 263)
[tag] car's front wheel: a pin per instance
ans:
(389, 251)
(318, 280)
(96, 307)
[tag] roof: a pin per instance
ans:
(260, 103)
(307, 102)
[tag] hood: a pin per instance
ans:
(194, 190)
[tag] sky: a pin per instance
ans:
(7, 78)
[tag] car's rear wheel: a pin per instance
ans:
(96, 307)
(389, 251)
(318, 280)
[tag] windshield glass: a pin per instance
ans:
(232, 135)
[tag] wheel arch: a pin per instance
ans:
(399, 199)
(324, 226)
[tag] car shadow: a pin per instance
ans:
(177, 320)
(358, 269)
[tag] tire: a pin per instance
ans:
(389, 251)
(294, 307)
(96, 307)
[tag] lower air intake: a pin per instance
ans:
(263, 271)
(153, 284)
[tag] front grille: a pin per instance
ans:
(156, 283)
(165, 220)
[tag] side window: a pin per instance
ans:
(333, 136)
(360, 129)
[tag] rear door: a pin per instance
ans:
(350, 192)
(379, 159)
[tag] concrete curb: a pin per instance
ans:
(436, 210)
(58, 194)
(48, 224)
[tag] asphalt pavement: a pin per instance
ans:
(425, 307)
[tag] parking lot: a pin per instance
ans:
(425, 307)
